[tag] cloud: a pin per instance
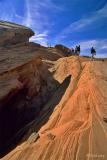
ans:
(4, 15)
(84, 22)
(36, 13)
(8, 11)
(87, 44)
(40, 38)
(102, 55)
(37, 18)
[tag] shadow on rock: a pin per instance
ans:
(22, 117)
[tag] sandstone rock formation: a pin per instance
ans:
(26, 84)
(75, 129)
(65, 50)
(56, 107)
(11, 33)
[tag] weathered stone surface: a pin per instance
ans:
(65, 50)
(26, 84)
(11, 33)
(51, 108)
(78, 120)
(33, 138)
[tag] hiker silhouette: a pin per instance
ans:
(77, 50)
(93, 53)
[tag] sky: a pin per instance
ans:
(67, 22)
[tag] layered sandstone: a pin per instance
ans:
(76, 128)
(51, 107)
(26, 84)
(11, 33)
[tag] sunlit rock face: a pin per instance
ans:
(74, 119)
(51, 107)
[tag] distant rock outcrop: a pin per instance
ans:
(64, 49)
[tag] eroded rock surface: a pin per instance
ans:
(76, 122)
(65, 50)
(11, 33)
(62, 104)
(26, 84)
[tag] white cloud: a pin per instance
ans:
(99, 44)
(102, 55)
(6, 13)
(36, 18)
(40, 38)
(27, 21)
(88, 44)
(104, 46)
(84, 22)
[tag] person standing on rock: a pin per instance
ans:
(72, 50)
(77, 50)
(93, 53)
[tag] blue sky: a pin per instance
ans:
(69, 22)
